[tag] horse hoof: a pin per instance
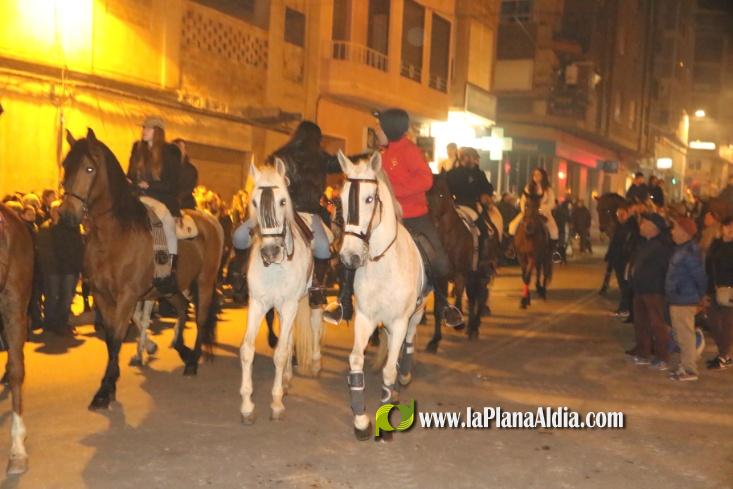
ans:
(363, 435)
(473, 335)
(277, 414)
(17, 466)
(405, 379)
(151, 347)
(190, 370)
(249, 419)
(460, 327)
(5, 380)
(99, 402)
(432, 347)
(385, 437)
(136, 362)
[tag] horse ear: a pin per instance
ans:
(281, 169)
(376, 161)
(254, 171)
(345, 163)
(90, 134)
(70, 138)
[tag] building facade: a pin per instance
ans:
(572, 87)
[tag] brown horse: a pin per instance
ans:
(118, 257)
(458, 243)
(16, 276)
(532, 243)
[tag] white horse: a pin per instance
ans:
(389, 285)
(279, 275)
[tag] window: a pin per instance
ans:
(413, 23)
(341, 30)
(439, 53)
(256, 12)
(516, 10)
(378, 25)
(294, 27)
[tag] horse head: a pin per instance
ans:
(440, 200)
(367, 201)
(272, 206)
(607, 206)
(84, 174)
(532, 217)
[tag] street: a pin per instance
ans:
(167, 431)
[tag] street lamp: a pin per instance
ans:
(700, 113)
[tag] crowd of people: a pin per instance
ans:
(672, 276)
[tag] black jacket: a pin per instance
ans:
(720, 265)
(581, 219)
(165, 189)
(307, 171)
(468, 184)
(187, 182)
(623, 243)
(637, 193)
(657, 196)
(650, 263)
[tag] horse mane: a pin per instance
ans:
(384, 180)
(126, 207)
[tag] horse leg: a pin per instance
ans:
(141, 318)
(390, 395)
(437, 336)
(280, 357)
(526, 277)
(363, 328)
(408, 349)
(246, 357)
(539, 282)
(288, 373)
(179, 343)
(271, 336)
(206, 311)
(439, 306)
(316, 318)
(14, 318)
(116, 321)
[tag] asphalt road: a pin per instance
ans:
(167, 431)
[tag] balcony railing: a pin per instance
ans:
(411, 71)
(358, 53)
(438, 83)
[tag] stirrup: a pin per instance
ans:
(556, 257)
(452, 316)
(333, 313)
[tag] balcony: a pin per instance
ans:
(368, 78)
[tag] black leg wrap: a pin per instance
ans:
(356, 389)
(406, 361)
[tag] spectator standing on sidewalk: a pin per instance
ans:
(647, 280)
(684, 288)
(720, 314)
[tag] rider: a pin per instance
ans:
(410, 176)
(471, 189)
(540, 188)
(307, 165)
(155, 167)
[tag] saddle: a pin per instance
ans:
(185, 229)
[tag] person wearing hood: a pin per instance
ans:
(685, 286)
(648, 283)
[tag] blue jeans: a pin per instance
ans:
(242, 237)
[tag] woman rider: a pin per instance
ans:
(539, 187)
(307, 165)
(155, 167)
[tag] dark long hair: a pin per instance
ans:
(306, 138)
(545, 181)
(148, 160)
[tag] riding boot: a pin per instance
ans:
(168, 285)
(317, 291)
(344, 308)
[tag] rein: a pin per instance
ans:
(367, 236)
(282, 235)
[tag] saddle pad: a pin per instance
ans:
(161, 257)
(186, 227)
(469, 217)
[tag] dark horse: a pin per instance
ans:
(118, 258)
(458, 243)
(532, 243)
(16, 275)
(607, 204)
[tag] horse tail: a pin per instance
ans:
(380, 359)
(305, 338)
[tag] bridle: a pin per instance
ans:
(85, 201)
(282, 235)
(367, 236)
